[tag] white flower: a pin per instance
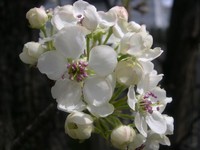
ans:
(148, 106)
(96, 89)
(79, 125)
(122, 136)
(31, 52)
(37, 17)
(81, 13)
(139, 45)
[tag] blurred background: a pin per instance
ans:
(29, 119)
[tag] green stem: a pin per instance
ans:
(122, 107)
(124, 116)
(49, 45)
(117, 93)
(120, 102)
(43, 29)
(108, 36)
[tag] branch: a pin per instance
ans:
(33, 127)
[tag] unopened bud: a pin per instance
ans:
(37, 17)
(121, 12)
(122, 136)
(79, 125)
(31, 52)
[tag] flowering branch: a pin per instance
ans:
(103, 72)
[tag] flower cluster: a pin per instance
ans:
(103, 72)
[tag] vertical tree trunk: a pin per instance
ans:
(180, 69)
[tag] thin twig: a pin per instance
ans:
(33, 127)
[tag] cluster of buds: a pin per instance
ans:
(103, 72)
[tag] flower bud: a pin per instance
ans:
(122, 136)
(129, 72)
(79, 125)
(37, 17)
(121, 12)
(31, 52)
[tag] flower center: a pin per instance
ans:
(146, 105)
(77, 70)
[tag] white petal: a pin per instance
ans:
(159, 93)
(70, 41)
(151, 54)
(156, 122)
(111, 78)
(148, 41)
(80, 118)
(147, 66)
(120, 28)
(131, 97)
(170, 124)
(97, 91)
(68, 95)
(91, 18)
(25, 58)
(52, 64)
(101, 111)
(149, 82)
(155, 139)
(102, 59)
(136, 45)
(70, 107)
(165, 140)
(137, 142)
(140, 124)
(79, 7)
(63, 19)
(163, 103)
(107, 19)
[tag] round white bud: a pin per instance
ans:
(31, 52)
(37, 17)
(122, 136)
(79, 125)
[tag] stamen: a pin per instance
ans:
(77, 71)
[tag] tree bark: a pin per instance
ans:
(180, 69)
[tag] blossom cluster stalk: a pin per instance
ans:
(103, 74)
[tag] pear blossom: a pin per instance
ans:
(153, 140)
(80, 12)
(79, 125)
(139, 45)
(122, 136)
(96, 90)
(31, 52)
(37, 17)
(95, 57)
(149, 106)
